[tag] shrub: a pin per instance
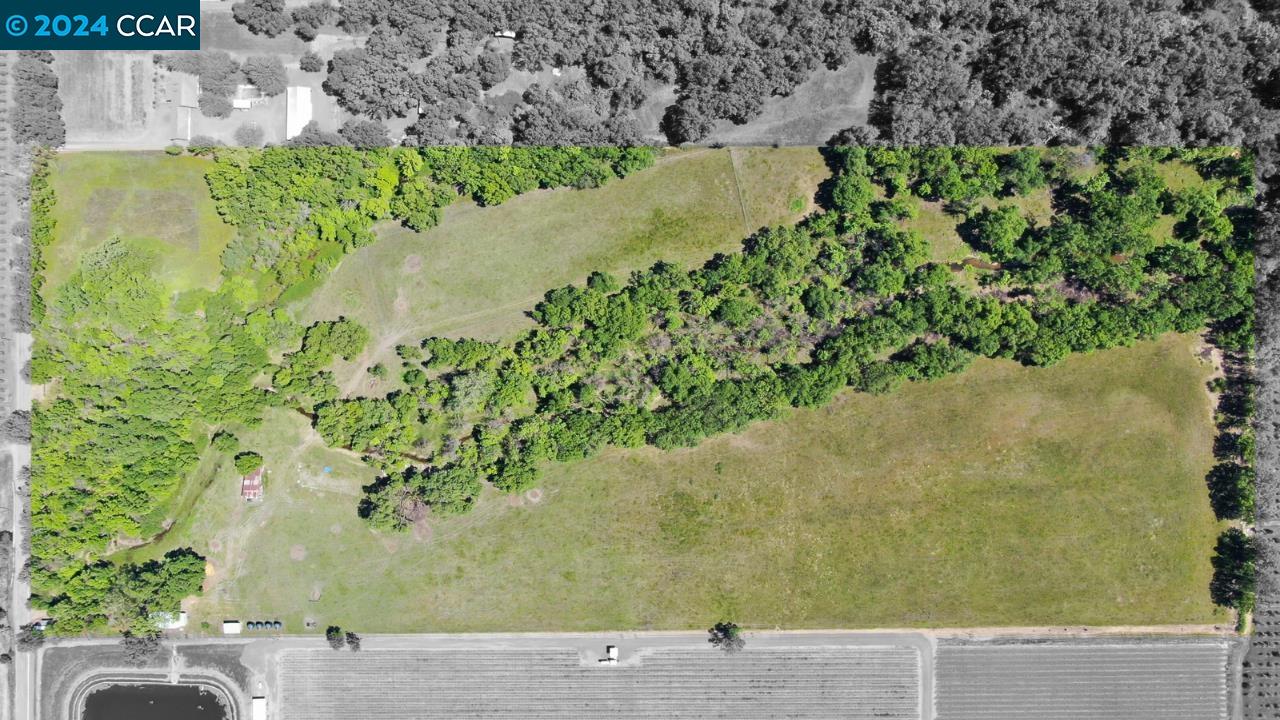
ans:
(247, 462)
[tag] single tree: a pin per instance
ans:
(267, 73)
(30, 637)
(308, 19)
(247, 462)
(140, 650)
(353, 641)
(726, 636)
(1234, 570)
(310, 62)
(249, 135)
(262, 17)
(225, 442)
(334, 635)
(365, 133)
(215, 106)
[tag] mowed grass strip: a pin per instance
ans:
(157, 202)
(1002, 496)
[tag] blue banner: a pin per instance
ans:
(100, 25)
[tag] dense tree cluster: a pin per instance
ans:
(979, 71)
(219, 76)
(36, 117)
(846, 298)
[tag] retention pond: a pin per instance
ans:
(153, 702)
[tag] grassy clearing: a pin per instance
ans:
(1002, 496)
(479, 271)
(157, 202)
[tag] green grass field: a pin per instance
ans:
(154, 201)
(1001, 496)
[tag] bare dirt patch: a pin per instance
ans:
(298, 553)
(533, 495)
(422, 531)
(412, 264)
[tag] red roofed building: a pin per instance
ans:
(251, 485)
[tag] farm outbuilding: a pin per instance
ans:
(251, 485)
(297, 110)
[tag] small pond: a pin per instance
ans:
(152, 702)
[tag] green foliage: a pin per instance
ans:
(365, 425)
(104, 595)
(247, 462)
(1231, 491)
(300, 209)
(999, 232)
(1234, 570)
(142, 375)
(845, 299)
(1022, 171)
(673, 356)
(225, 442)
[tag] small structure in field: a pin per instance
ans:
(251, 486)
(259, 708)
(231, 627)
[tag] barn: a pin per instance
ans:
(251, 485)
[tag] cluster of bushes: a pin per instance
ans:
(846, 298)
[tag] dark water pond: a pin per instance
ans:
(152, 702)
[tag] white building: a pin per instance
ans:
(231, 627)
(259, 708)
(297, 110)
